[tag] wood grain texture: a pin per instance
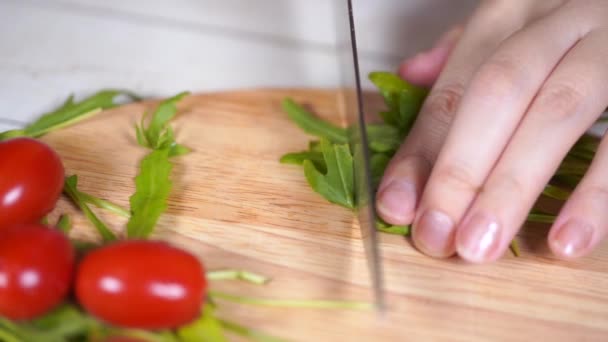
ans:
(236, 206)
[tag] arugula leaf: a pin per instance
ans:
(391, 229)
(206, 328)
(555, 192)
(313, 125)
(337, 185)
(378, 163)
(69, 113)
(292, 303)
(158, 134)
(514, 247)
(71, 189)
(104, 204)
(245, 276)
(249, 333)
(403, 99)
(298, 158)
(383, 138)
(152, 189)
(64, 223)
(64, 323)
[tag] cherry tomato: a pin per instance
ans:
(36, 268)
(142, 284)
(31, 180)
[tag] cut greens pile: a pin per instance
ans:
(84, 313)
(328, 161)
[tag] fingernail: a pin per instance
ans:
(434, 233)
(397, 200)
(479, 238)
(572, 238)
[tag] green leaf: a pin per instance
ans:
(391, 85)
(71, 189)
(292, 303)
(156, 134)
(337, 185)
(206, 329)
(69, 113)
(555, 192)
(514, 247)
(314, 146)
(541, 218)
(64, 323)
(178, 150)
(383, 138)
(409, 107)
(298, 158)
(238, 275)
(152, 189)
(64, 223)
(313, 125)
(403, 99)
(392, 229)
(104, 204)
(249, 333)
(378, 164)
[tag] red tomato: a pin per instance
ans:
(31, 180)
(141, 284)
(36, 268)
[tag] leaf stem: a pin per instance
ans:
(70, 188)
(231, 274)
(104, 204)
(6, 336)
(541, 218)
(252, 334)
(293, 303)
(514, 246)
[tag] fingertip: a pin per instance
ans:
(433, 234)
(572, 239)
(396, 202)
(420, 70)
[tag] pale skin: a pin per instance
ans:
(513, 88)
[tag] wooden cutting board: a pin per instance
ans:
(236, 206)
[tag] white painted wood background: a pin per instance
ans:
(52, 48)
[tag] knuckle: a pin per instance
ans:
(498, 77)
(457, 177)
(442, 103)
(597, 192)
(560, 101)
(509, 183)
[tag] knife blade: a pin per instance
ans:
(352, 106)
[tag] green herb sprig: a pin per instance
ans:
(403, 103)
(149, 201)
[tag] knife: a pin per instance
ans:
(352, 105)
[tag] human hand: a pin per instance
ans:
(512, 92)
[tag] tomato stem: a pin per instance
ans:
(316, 304)
(230, 274)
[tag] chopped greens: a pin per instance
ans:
(71, 189)
(313, 125)
(69, 113)
(158, 134)
(324, 163)
(337, 185)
